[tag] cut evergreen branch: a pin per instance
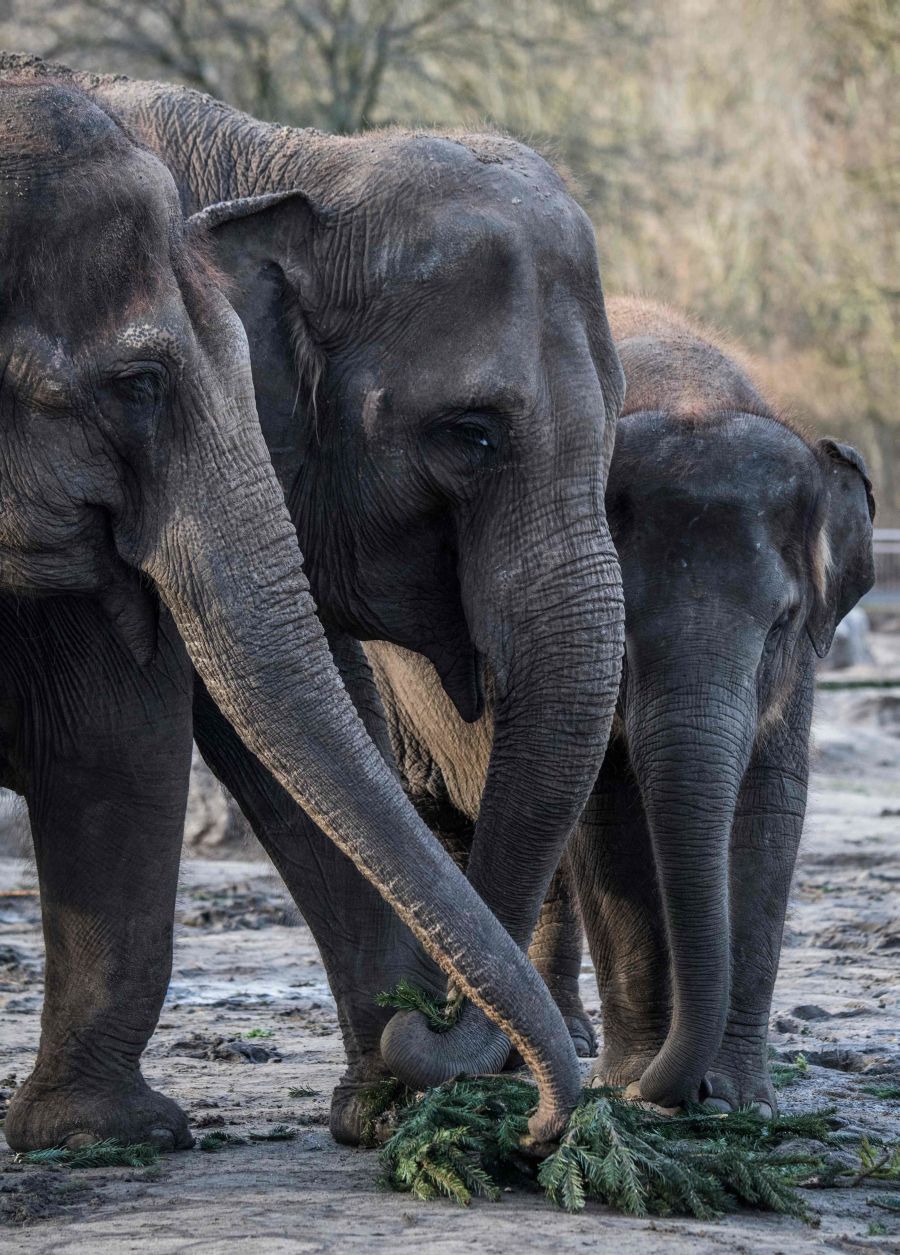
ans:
(876, 1163)
(465, 1139)
(106, 1154)
(278, 1133)
(889, 1092)
(218, 1139)
(784, 1074)
(378, 1102)
(302, 1091)
(890, 1202)
(441, 1013)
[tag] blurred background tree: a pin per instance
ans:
(739, 157)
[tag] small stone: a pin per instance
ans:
(809, 1011)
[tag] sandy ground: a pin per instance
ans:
(246, 969)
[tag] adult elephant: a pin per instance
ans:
(133, 466)
(438, 388)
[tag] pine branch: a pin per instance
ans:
(441, 1014)
(463, 1139)
(106, 1154)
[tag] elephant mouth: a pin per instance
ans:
(460, 673)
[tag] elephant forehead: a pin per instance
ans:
(47, 120)
(732, 477)
(444, 250)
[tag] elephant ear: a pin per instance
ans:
(265, 246)
(278, 226)
(844, 562)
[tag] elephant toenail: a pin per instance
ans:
(162, 1139)
(77, 1141)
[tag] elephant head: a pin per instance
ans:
(456, 391)
(133, 464)
(742, 545)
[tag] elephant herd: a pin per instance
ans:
(219, 337)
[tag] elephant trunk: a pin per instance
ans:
(550, 624)
(225, 560)
(690, 728)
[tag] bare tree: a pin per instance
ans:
(339, 64)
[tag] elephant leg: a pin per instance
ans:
(365, 947)
(107, 806)
(556, 953)
(764, 843)
(613, 868)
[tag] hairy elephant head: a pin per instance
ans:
(741, 544)
(132, 461)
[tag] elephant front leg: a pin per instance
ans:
(556, 953)
(765, 839)
(108, 820)
(613, 868)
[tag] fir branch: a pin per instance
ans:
(106, 1154)
(463, 1138)
(441, 1014)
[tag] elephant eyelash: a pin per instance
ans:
(480, 432)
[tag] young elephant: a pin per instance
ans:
(742, 546)
(133, 465)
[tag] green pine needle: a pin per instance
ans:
(463, 1139)
(784, 1074)
(106, 1154)
(441, 1014)
(889, 1092)
(218, 1139)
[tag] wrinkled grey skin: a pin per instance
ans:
(133, 471)
(742, 546)
(723, 518)
(438, 389)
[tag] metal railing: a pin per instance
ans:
(887, 568)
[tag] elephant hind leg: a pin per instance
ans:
(613, 868)
(556, 950)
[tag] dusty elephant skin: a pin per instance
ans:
(437, 385)
(742, 546)
(133, 464)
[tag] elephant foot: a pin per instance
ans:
(80, 1113)
(739, 1077)
(581, 1030)
(729, 1090)
(354, 1103)
(620, 1068)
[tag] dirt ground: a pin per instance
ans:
(247, 971)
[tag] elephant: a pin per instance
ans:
(742, 545)
(438, 389)
(144, 534)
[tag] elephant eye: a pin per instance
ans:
(474, 434)
(137, 388)
(133, 398)
(777, 630)
(478, 434)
